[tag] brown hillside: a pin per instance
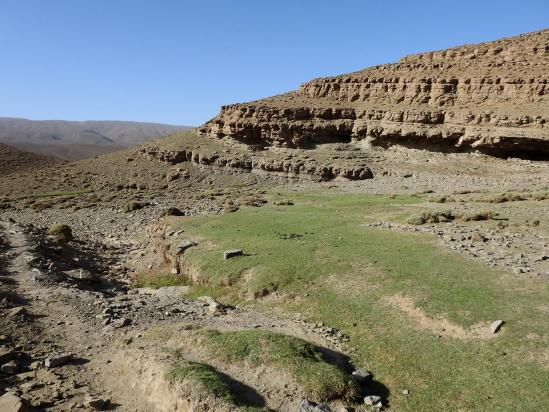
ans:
(490, 97)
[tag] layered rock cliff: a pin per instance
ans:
(491, 97)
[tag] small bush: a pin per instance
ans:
(285, 202)
(505, 197)
(61, 232)
(541, 196)
(172, 211)
(431, 217)
(254, 201)
(133, 206)
(478, 216)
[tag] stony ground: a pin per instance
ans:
(71, 306)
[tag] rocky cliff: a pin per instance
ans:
(491, 97)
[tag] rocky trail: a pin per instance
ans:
(69, 341)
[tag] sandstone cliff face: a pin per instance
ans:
(491, 97)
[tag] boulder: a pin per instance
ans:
(9, 402)
(10, 367)
(308, 406)
(361, 375)
(372, 400)
(55, 361)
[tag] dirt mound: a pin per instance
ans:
(490, 97)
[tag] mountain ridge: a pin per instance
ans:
(75, 140)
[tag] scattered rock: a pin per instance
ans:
(79, 274)
(9, 402)
(308, 406)
(496, 326)
(10, 368)
(6, 355)
(35, 365)
(361, 375)
(17, 311)
(372, 400)
(121, 323)
(232, 253)
(96, 402)
(58, 360)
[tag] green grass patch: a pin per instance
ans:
(204, 375)
(319, 379)
(323, 260)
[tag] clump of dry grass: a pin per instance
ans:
(449, 216)
(61, 232)
(478, 216)
(431, 217)
(505, 197)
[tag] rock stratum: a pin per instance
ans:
(490, 97)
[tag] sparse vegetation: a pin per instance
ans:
(133, 206)
(172, 211)
(478, 216)
(448, 216)
(431, 217)
(61, 232)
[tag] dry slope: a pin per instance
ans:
(490, 97)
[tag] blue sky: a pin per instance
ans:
(178, 61)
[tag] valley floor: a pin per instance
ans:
(401, 276)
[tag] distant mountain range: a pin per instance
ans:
(78, 140)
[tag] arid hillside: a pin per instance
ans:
(78, 140)
(14, 161)
(490, 97)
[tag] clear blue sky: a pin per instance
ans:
(178, 61)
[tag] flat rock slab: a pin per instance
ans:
(172, 291)
(496, 326)
(232, 253)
